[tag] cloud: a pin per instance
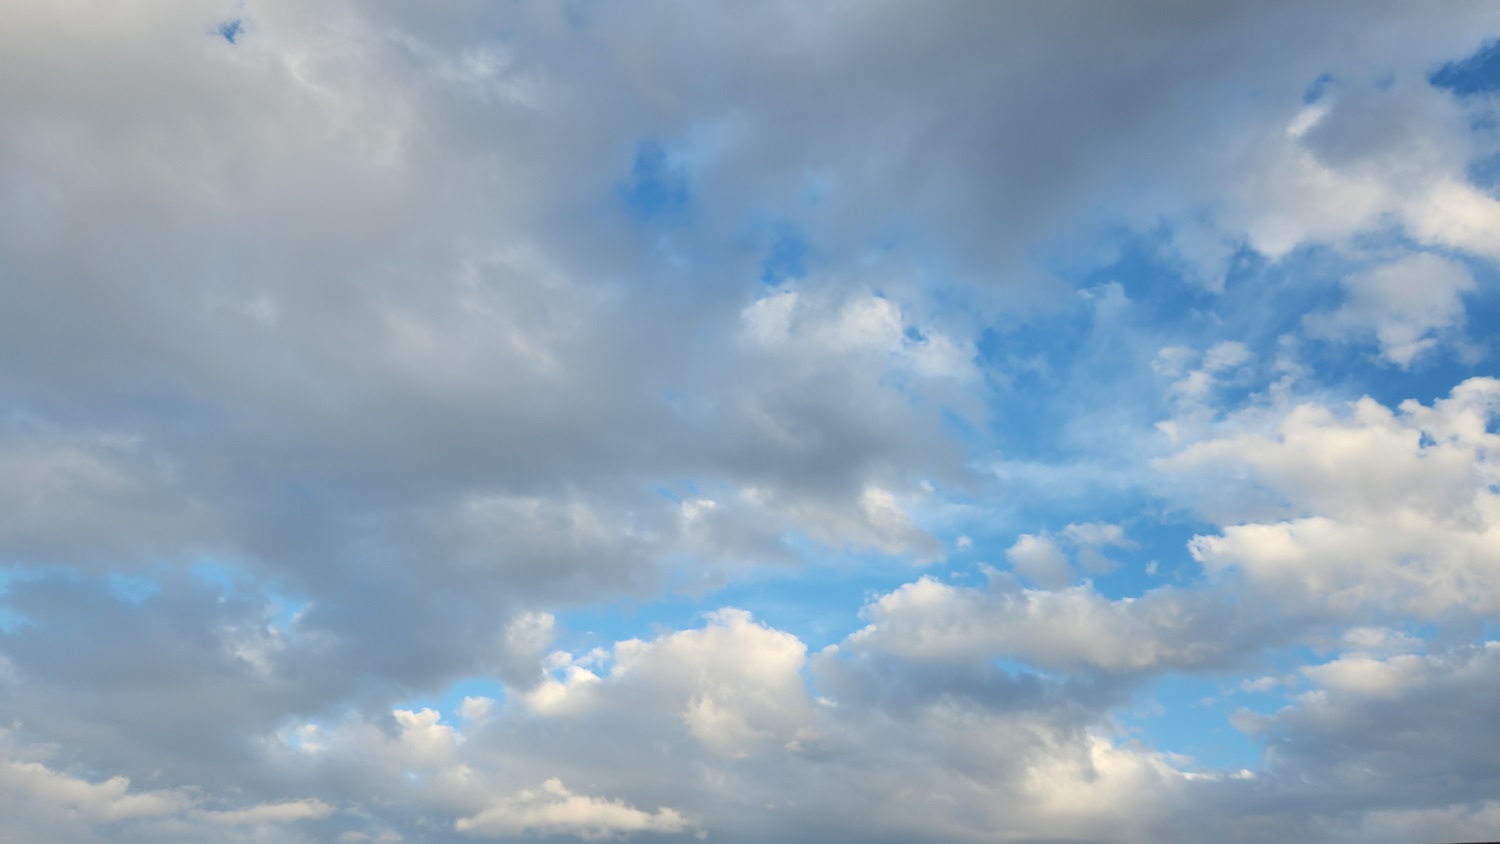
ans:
(1408, 304)
(1038, 559)
(1070, 629)
(77, 804)
(1364, 509)
(356, 353)
(1418, 733)
(271, 813)
(110, 800)
(553, 809)
(735, 685)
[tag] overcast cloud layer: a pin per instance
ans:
(777, 421)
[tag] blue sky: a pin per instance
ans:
(744, 422)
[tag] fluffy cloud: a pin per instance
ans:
(1364, 509)
(1070, 629)
(1403, 730)
(735, 685)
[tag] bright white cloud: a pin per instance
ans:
(1363, 508)
(1068, 629)
(554, 810)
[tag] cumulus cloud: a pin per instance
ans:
(1421, 756)
(1361, 507)
(1073, 628)
(735, 685)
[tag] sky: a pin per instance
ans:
(832, 422)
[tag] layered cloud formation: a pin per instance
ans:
(843, 422)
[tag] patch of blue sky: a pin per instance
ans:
(1190, 715)
(1027, 499)
(11, 619)
(1085, 381)
(787, 256)
(1319, 88)
(1489, 630)
(449, 703)
(1485, 172)
(230, 30)
(1066, 367)
(217, 576)
(657, 188)
(1158, 559)
(819, 602)
(1165, 305)
(1354, 367)
(234, 583)
(1476, 74)
(962, 430)
(1056, 374)
(12, 622)
(284, 610)
(1018, 669)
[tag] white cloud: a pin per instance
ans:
(805, 329)
(1041, 558)
(1069, 629)
(1457, 215)
(554, 810)
(111, 800)
(1409, 305)
(737, 685)
(475, 708)
(270, 813)
(1365, 509)
(1038, 559)
(1367, 676)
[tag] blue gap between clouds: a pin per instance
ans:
(657, 188)
(788, 254)
(817, 601)
(1476, 74)
(230, 30)
(448, 702)
(1318, 89)
(224, 579)
(1194, 722)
